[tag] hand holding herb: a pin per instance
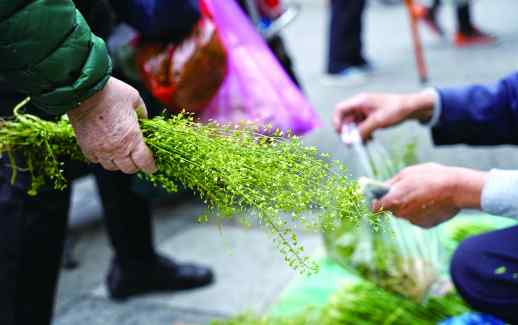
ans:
(107, 129)
(238, 172)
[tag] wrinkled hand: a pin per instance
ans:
(429, 194)
(108, 132)
(377, 111)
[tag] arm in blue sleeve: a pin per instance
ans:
(168, 20)
(478, 114)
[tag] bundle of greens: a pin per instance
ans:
(236, 170)
(462, 229)
(366, 304)
(308, 317)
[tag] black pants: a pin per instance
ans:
(485, 272)
(345, 35)
(32, 233)
(464, 24)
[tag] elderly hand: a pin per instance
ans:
(107, 129)
(376, 111)
(429, 194)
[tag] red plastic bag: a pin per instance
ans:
(184, 76)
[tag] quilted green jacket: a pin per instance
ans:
(48, 52)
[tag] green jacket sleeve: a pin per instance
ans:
(48, 52)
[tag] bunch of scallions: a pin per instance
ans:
(237, 170)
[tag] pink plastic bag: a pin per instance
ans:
(256, 87)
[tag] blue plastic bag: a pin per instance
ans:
(473, 319)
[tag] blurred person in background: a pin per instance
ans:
(51, 54)
(429, 194)
(276, 42)
(346, 64)
(467, 33)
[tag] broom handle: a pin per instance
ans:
(418, 49)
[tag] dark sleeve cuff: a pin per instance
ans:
(93, 77)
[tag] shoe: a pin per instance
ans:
(425, 16)
(351, 76)
(476, 37)
(162, 276)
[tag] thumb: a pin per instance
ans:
(367, 127)
(140, 109)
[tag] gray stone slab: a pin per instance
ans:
(93, 250)
(250, 273)
(85, 206)
(95, 311)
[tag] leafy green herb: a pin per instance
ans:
(463, 229)
(236, 170)
(364, 303)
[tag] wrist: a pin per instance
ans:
(419, 106)
(89, 104)
(467, 188)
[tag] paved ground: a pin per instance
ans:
(250, 273)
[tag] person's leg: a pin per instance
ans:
(137, 268)
(464, 24)
(32, 230)
(278, 48)
(436, 4)
(484, 270)
(127, 218)
(345, 35)
(467, 33)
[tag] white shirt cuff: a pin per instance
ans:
(500, 193)
(437, 108)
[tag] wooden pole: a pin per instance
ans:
(418, 49)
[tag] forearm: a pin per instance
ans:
(479, 114)
(50, 54)
(494, 192)
(468, 187)
(419, 106)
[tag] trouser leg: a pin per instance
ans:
(464, 24)
(127, 218)
(278, 48)
(484, 269)
(436, 4)
(345, 44)
(32, 231)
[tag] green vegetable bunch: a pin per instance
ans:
(236, 170)
(365, 303)
(463, 229)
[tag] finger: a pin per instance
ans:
(91, 157)
(367, 127)
(390, 202)
(108, 164)
(376, 206)
(394, 180)
(126, 165)
(344, 112)
(140, 108)
(143, 158)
